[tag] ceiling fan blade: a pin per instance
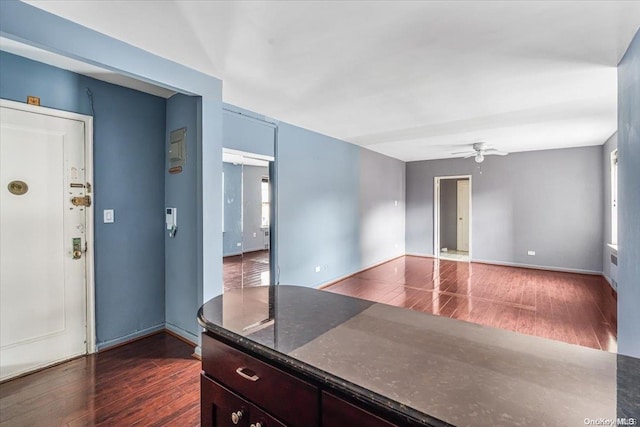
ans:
(497, 153)
(462, 152)
(470, 155)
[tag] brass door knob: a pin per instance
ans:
(77, 254)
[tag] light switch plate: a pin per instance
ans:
(108, 216)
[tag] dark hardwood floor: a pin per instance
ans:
(574, 308)
(154, 381)
(248, 269)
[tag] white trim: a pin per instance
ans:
(248, 154)
(197, 352)
(421, 255)
(610, 282)
(89, 254)
(346, 276)
(193, 339)
(130, 337)
(539, 267)
(436, 212)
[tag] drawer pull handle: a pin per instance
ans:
(236, 417)
(248, 375)
(256, 425)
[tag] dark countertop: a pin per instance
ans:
(426, 368)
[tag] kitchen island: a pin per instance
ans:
(289, 355)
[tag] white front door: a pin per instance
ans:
(463, 215)
(43, 308)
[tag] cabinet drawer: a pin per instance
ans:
(290, 399)
(223, 408)
(337, 412)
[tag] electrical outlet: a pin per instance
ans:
(254, 234)
(317, 269)
(532, 253)
(395, 202)
(238, 244)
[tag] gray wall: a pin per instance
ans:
(629, 195)
(252, 207)
(232, 235)
(547, 201)
(448, 214)
(381, 219)
(609, 270)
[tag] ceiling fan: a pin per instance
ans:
(480, 149)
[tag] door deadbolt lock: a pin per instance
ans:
(77, 250)
(81, 201)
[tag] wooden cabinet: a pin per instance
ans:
(338, 412)
(222, 408)
(285, 397)
(238, 390)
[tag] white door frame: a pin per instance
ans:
(436, 212)
(88, 165)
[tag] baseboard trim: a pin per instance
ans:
(197, 352)
(609, 281)
(346, 276)
(181, 334)
(231, 254)
(421, 255)
(117, 342)
(538, 267)
(245, 252)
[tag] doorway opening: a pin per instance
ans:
(246, 219)
(452, 217)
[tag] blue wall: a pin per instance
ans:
(128, 177)
(232, 209)
(242, 132)
(629, 200)
(318, 206)
(56, 34)
(181, 266)
(339, 207)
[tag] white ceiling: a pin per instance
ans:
(413, 80)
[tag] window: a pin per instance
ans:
(223, 201)
(265, 202)
(614, 197)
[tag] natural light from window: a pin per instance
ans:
(614, 198)
(265, 202)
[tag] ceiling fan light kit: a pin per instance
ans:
(479, 150)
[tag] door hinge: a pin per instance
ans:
(88, 188)
(81, 201)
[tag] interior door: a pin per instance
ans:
(42, 241)
(463, 215)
